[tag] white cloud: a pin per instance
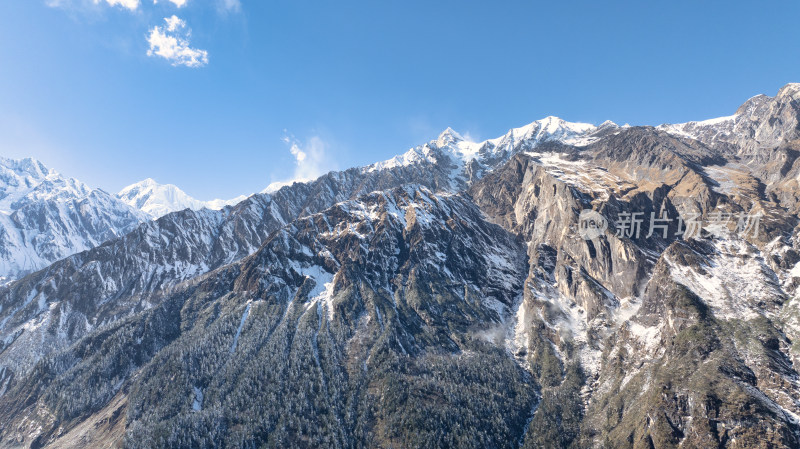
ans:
(299, 154)
(171, 42)
(311, 161)
(174, 23)
(129, 4)
(178, 3)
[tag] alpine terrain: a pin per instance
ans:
(564, 285)
(45, 216)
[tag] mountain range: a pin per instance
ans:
(447, 297)
(45, 216)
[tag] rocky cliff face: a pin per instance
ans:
(449, 297)
(649, 341)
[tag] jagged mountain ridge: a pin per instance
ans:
(390, 310)
(46, 216)
(746, 134)
(471, 160)
(27, 251)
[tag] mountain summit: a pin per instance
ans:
(158, 200)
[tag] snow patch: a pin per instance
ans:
(722, 287)
(241, 325)
(197, 402)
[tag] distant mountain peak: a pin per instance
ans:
(27, 168)
(147, 182)
(448, 136)
(552, 122)
(25, 180)
(609, 124)
(157, 200)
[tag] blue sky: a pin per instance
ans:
(351, 83)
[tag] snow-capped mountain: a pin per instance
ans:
(45, 217)
(470, 160)
(745, 134)
(449, 162)
(158, 200)
(444, 298)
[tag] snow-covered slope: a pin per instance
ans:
(45, 217)
(470, 160)
(158, 200)
(758, 126)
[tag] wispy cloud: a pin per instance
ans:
(312, 160)
(171, 42)
(128, 4)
